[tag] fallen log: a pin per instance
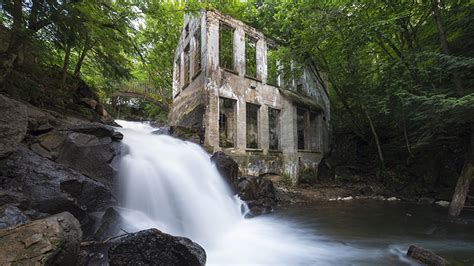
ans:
(425, 257)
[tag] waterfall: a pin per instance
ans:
(171, 185)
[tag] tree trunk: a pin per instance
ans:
(467, 172)
(34, 13)
(405, 135)
(444, 42)
(67, 55)
(82, 56)
(14, 45)
(464, 181)
(376, 137)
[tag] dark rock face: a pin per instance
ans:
(188, 134)
(165, 130)
(110, 225)
(39, 185)
(258, 193)
(10, 215)
(425, 257)
(89, 148)
(153, 247)
(51, 241)
(227, 167)
(89, 155)
(13, 124)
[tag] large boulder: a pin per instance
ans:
(425, 257)
(90, 155)
(13, 124)
(39, 185)
(227, 167)
(51, 241)
(89, 148)
(110, 225)
(258, 193)
(153, 247)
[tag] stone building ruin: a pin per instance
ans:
(229, 86)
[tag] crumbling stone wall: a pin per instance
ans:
(199, 101)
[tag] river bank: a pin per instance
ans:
(289, 194)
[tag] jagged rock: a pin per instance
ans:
(227, 167)
(10, 215)
(155, 247)
(89, 148)
(109, 225)
(89, 155)
(100, 109)
(164, 130)
(13, 124)
(187, 134)
(425, 257)
(95, 129)
(36, 183)
(117, 136)
(258, 193)
(425, 200)
(50, 144)
(89, 102)
(88, 194)
(51, 241)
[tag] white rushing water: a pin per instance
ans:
(171, 185)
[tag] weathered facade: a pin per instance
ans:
(226, 86)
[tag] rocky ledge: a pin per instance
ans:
(57, 195)
(257, 192)
(51, 163)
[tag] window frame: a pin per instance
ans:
(187, 65)
(250, 39)
(197, 56)
(223, 26)
(277, 128)
(257, 109)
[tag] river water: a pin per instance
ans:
(171, 185)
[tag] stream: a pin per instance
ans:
(171, 185)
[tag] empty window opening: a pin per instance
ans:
(197, 51)
(178, 71)
(226, 47)
(300, 126)
(272, 66)
(186, 66)
(250, 56)
(313, 131)
(226, 122)
(307, 129)
(252, 126)
(274, 128)
(299, 88)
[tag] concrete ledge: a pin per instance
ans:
(308, 151)
(253, 150)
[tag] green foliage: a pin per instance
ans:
(384, 66)
(400, 83)
(155, 113)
